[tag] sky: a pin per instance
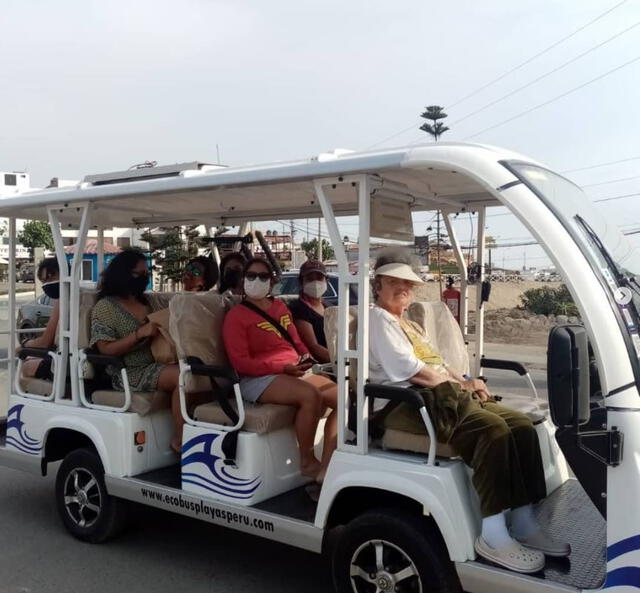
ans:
(91, 86)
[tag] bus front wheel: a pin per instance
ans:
(390, 551)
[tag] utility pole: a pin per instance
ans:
(319, 246)
(438, 247)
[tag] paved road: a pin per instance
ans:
(160, 553)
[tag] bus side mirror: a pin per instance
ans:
(568, 376)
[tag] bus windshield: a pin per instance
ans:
(602, 242)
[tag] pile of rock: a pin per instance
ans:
(518, 325)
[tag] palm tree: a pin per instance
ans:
(436, 128)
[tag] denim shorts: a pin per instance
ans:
(252, 388)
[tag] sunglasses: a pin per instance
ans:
(264, 276)
(193, 270)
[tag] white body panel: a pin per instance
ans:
(30, 423)
(444, 491)
(266, 465)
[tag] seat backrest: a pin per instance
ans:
(443, 332)
(434, 317)
(195, 325)
(88, 299)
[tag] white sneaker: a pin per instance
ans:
(546, 544)
(514, 556)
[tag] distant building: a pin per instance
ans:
(13, 182)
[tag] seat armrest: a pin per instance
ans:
(208, 370)
(25, 353)
(397, 394)
(104, 360)
(505, 365)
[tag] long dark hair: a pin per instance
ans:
(47, 267)
(210, 268)
(237, 256)
(116, 278)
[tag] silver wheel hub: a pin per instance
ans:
(385, 581)
(82, 498)
(385, 566)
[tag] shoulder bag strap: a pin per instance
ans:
(285, 334)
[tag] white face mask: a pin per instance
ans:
(257, 289)
(315, 289)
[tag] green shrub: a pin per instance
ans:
(549, 301)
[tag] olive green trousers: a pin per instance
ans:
(499, 444)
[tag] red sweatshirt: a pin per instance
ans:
(254, 346)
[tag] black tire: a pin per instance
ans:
(409, 547)
(94, 516)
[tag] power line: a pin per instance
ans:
(633, 158)
(611, 181)
(540, 53)
(514, 69)
(617, 197)
(560, 96)
(549, 73)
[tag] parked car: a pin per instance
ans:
(289, 285)
(35, 314)
(26, 273)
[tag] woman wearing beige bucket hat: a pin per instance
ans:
(499, 444)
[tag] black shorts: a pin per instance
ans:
(44, 370)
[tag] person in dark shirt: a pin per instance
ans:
(308, 310)
(231, 267)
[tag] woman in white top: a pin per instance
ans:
(501, 445)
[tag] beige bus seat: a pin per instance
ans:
(442, 331)
(196, 328)
(142, 402)
(445, 336)
(34, 386)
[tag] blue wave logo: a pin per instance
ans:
(19, 439)
(627, 576)
(217, 479)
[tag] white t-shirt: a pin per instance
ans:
(392, 360)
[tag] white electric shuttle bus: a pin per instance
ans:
(396, 512)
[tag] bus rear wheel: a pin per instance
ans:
(88, 512)
(387, 551)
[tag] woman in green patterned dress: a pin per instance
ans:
(119, 327)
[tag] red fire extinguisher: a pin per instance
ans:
(451, 297)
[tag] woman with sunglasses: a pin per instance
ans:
(200, 274)
(119, 327)
(274, 365)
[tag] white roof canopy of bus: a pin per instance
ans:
(454, 177)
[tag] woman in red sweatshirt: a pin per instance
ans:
(275, 368)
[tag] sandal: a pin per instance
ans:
(514, 556)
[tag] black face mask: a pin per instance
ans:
(231, 279)
(139, 283)
(52, 289)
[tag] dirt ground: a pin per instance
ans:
(504, 295)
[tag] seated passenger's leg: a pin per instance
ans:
(290, 391)
(528, 446)
(329, 397)
(168, 381)
(30, 367)
(524, 525)
(485, 443)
